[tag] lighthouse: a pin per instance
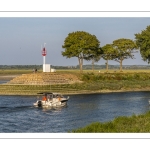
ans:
(46, 67)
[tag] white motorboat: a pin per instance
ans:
(51, 100)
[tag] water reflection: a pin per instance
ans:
(50, 109)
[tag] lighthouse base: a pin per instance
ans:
(46, 67)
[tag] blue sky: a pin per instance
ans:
(21, 37)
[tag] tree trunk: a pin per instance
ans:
(80, 64)
(107, 65)
(121, 64)
(93, 65)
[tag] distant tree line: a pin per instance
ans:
(21, 67)
(85, 46)
(86, 67)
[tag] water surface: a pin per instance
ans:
(18, 115)
(3, 81)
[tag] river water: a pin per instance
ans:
(18, 115)
(3, 81)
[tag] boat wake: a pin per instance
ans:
(16, 108)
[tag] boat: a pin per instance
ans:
(49, 99)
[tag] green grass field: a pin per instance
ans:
(23, 71)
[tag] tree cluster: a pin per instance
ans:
(85, 46)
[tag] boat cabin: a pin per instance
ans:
(50, 96)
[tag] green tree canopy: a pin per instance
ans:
(82, 45)
(124, 49)
(108, 53)
(143, 42)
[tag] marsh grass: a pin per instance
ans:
(132, 124)
(91, 82)
(85, 87)
(115, 76)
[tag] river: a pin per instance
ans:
(18, 115)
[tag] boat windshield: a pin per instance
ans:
(58, 95)
(49, 96)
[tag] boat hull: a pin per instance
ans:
(41, 103)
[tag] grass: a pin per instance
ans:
(129, 80)
(15, 72)
(24, 71)
(85, 87)
(132, 124)
(34, 89)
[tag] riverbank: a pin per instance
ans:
(133, 124)
(34, 89)
(34, 92)
(91, 84)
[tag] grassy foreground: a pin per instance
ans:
(133, 124)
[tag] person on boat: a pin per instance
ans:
(44, 98)
(58, 98)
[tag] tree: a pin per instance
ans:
(95, 59)
(82, 45)
(108, 53)
(143, 42)
(123, 50)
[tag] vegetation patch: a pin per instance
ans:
(90, 83)
(132, 124)
(114, 76)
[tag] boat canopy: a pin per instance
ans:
(45, 93)
(50, 93)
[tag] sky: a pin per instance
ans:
(21, 37)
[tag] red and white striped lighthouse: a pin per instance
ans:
(46, 67)
(44, 52)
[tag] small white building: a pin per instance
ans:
(46, 68)
(53, 70)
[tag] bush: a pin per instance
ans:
(114, 76)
